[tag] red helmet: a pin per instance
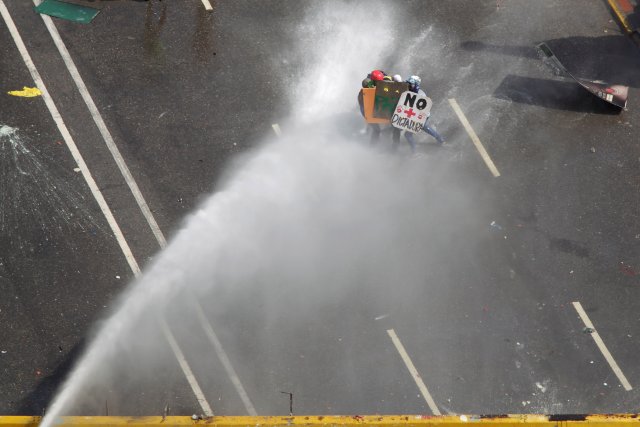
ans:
(377, 75)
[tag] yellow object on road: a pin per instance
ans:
(26, 92)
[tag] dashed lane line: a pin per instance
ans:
(207, 5)
(104, 207)
(603, 348)
(276, 129)
(222, 355)
(182, 361)
(474, 138)
(414, 372)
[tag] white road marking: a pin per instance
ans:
(222, 355)
(603, 348)
(186, 369)
(133, 186)
(64, 131)
(102, 127)
(207, 5)
(104, 207)
(474, 137)
(414, 372)
(276, 129)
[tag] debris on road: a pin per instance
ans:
(613, 94)
(495, 225)
(26, 92)
(588, 330)
(68, 11)
(627, 270)
(593, 149)
(542, 387)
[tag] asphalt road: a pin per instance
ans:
(493, 331)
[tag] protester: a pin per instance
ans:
(370, 82)
(414, 86)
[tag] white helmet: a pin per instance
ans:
(397, 78)
(417, 79)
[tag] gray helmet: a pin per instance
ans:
(414, 83)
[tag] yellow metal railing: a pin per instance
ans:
(621, 14)
(595, 420)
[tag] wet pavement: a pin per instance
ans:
(185, 92)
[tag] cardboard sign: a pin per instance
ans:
(412, 112)
(387, 95)
(368, 101)
(613, 94)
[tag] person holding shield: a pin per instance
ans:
(370, 82)
(414, 86)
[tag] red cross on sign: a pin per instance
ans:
(409, 112)
(412, 111)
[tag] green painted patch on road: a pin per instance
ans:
(68, 11)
